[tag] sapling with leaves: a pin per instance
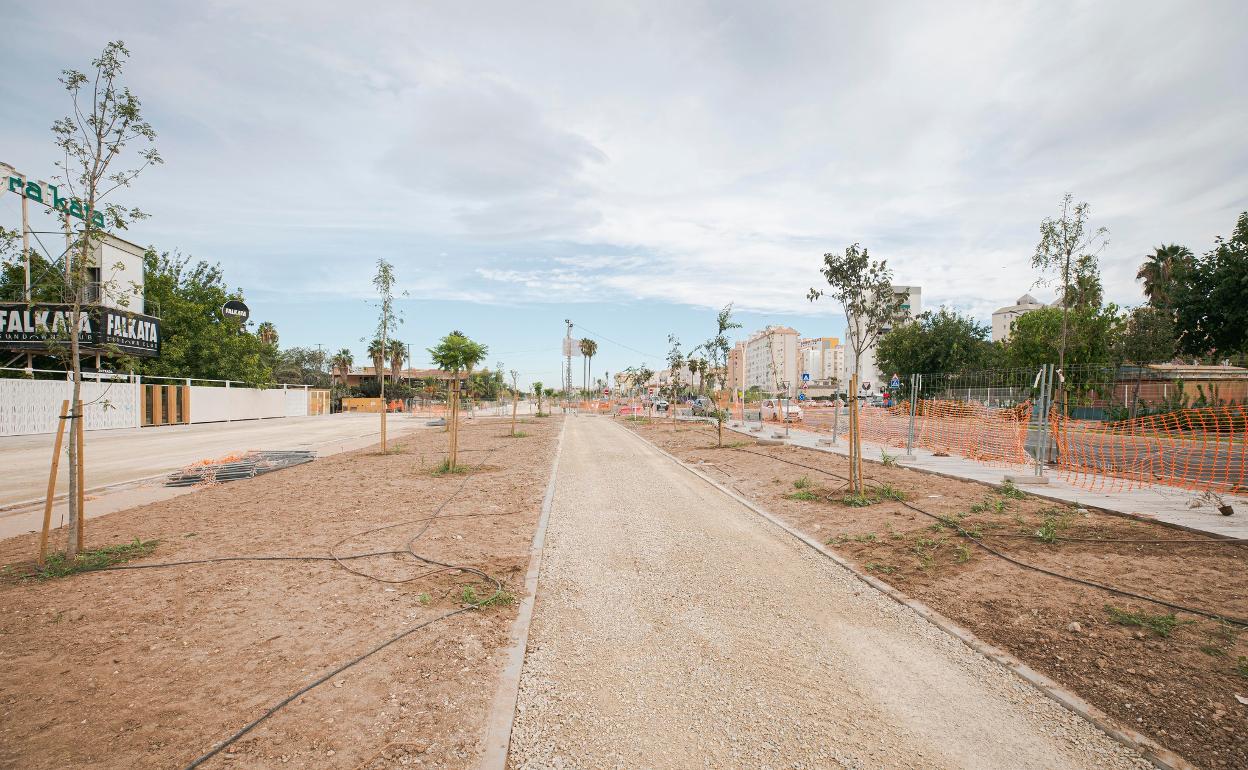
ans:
(717, 349)
(515, 397)
(675, 361)
(864, 288)
(538, 392)
(456, 353)
(387, 324)
(107, 121)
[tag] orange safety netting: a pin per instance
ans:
(1200, 449)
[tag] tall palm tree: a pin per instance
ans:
(377, 352)
(1158, 272)
(397, 351)
(340, 363)
(588, 349)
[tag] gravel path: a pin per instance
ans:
(676, 628)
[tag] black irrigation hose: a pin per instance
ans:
(956, 526)
(428, 521)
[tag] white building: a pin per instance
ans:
(823, 358)
(1003, 318)
(772, 362)
(870, 379)
(115, 275)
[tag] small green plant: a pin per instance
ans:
(889, 461)
(989, 505)
(1009, 490)
(445, 468)
(857, 500)
(803, 483)
(867, 538)
(1213, 651)
(425, 599)
(888, 492)
(1162, 625)
(518, 434)
(58, 565)
(1241, 666)
(885, 569)
(1047, 533)
(500, 598)
(840, 539)
(962, 554)
(802, 494)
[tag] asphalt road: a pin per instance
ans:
(676, 628)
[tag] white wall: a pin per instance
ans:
(212, 404)
(34, 406)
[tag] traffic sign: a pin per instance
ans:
(895, 382)
(606, 391)
(805, 376)
(801, 396)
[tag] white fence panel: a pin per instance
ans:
(296, 403)
(209, 404)
(34, 406)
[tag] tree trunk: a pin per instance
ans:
(453, 424)
(515, 403)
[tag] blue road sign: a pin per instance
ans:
(801, 396)
(805, 376)
(894, 383)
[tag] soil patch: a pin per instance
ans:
(1174, 679)
(150, 668)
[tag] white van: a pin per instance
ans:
(781, 409)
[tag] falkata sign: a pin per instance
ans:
(49, 195)
(43, 326)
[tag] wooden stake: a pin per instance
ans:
(56, 463)
(515, 401)
(82, 479)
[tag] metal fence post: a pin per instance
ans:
(1042, 441)
(914, 400)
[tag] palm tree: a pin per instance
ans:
(267, 333)
(377, 352)
(456, 353)
(588, 349)
(397, 351)
(341, 363)
(1158, 272)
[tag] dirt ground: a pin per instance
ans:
(150, 668)
(1178, 688)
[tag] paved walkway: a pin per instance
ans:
(676, 628)
(1161, 503)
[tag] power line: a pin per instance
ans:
(605, 338)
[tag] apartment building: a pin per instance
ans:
(823, 358)
(772, 362)
(735, 379)
(1003, 317)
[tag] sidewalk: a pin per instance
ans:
(1157, 503)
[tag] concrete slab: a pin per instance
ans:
(1169, 505)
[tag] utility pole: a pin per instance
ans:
(567, 371)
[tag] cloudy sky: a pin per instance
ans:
(634, 166)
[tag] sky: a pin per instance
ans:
(635, 166)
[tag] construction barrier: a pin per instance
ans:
(1199, 449)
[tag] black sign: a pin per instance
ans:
(237, 310)
(46, 327)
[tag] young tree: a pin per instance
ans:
(515, 398)
(864, 288)
(717, 349)
(1067, 253)
(106, 120)
(456, 353)
(538, 392)
(675, 360)
(387, 324)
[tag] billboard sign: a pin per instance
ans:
(45, 326)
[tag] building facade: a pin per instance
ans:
(870, 379)
(772, 361)
(734, 381)
(823, 358)
(1003, 318)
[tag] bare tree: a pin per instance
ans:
(107, 119)
(864, 287)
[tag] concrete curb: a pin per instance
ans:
(503, 712)
(1145, 746)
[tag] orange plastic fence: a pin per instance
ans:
(1198, 449)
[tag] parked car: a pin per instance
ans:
(703, 407)
(781, 409)
(660, 406)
